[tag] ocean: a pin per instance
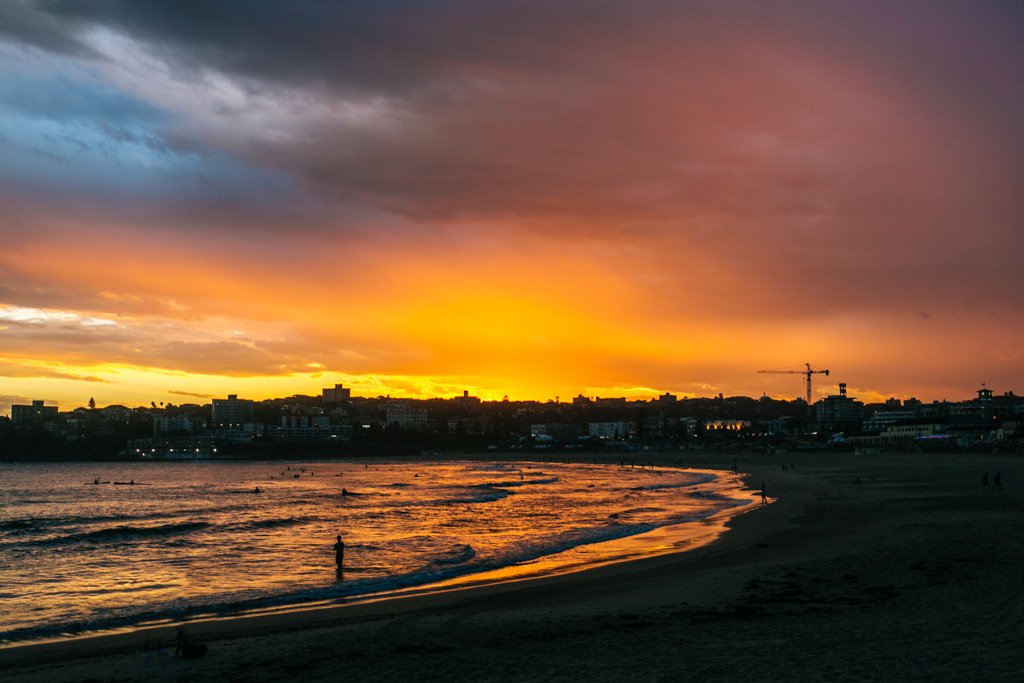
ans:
(169, 541)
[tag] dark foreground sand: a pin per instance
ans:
(913, 574)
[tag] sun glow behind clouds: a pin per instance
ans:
(525, 199)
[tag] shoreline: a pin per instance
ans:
(913, 573)
(670, 540)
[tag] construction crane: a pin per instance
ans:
(808, 372)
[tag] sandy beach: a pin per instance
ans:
(863, 567)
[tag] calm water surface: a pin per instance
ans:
(194, 538)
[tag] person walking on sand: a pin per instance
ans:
(984, 482)
(764, 494)
(339, 552)
(997, 483)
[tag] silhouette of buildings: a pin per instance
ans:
(37, 412)
(231, 412)
(335, 423)
(840, 411)
(337, 394)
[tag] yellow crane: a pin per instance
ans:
(808, 372)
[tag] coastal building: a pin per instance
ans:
(556, 431)
(840, 411)
(190, 447)
(611, 430)
(337, 395)
(883, 418)
(37, 412)
(116, 413)
(177, 424)
(405, 416)
(466, 400)
(231, 411)
(309, 428)
(246, 432)
(723, 425)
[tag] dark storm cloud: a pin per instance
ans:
(373, 45)
(599, 112)
(30, 23)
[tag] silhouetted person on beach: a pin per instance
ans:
(187, 649)
(339, 552)
(984, 482)
(764, 494)
(998, 482)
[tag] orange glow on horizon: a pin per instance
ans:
(511, 208)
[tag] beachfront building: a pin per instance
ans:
(37, 412)
(904, 432)
(309, 428)
(405, 416)
(177, 424)
(556, 431)
(883, 418)
(231, 412)
(840, 411)
(726, 425)
(246, 432)
(611, 430)
(189, 447)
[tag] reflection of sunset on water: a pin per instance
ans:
(176, 540)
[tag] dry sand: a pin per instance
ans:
(915, 573)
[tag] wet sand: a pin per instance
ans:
(914, 573)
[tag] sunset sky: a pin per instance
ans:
(536, 199)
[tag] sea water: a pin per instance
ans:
(156, 542)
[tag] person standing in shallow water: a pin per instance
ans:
(764, 494)
(339, 552)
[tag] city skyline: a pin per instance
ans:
(537, 200)
(327, 394)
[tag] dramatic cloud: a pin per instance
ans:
(530, 197)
